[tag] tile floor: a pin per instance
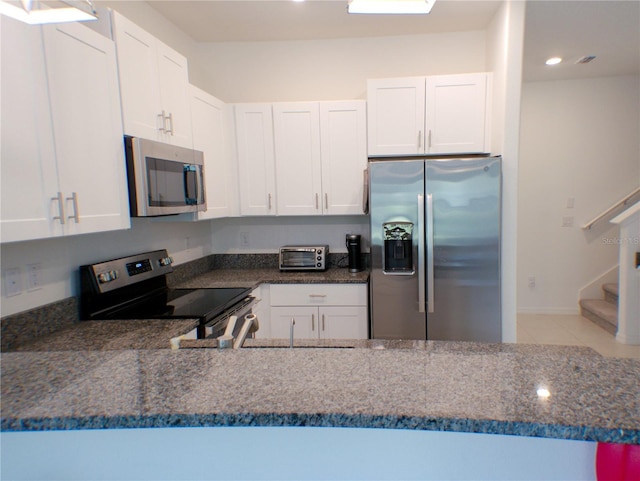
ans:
(572, 330)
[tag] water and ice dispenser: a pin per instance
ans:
(398, 251)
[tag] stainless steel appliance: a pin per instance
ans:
(163, 179)
(435, 249)
(135, 287)
(304, 258)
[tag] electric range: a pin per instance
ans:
(135, 287)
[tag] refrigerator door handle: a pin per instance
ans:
(430, 286)
(421, 265)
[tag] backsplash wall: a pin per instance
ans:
(243, 235)
(60, 258)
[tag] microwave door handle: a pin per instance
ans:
(190, 169)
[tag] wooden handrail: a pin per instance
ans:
(615, 209)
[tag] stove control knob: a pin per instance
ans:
(165, 261)
(113, 274)
(104, 277)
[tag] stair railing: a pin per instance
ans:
(615, 209)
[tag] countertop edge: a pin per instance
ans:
(463, 425)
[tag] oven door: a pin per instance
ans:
(215, 327)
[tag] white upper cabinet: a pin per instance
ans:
(210, 135)
(320, 152)
(457, 114)
(343, 145)
(154, 85)
(28, 165)
(396, 116)
(297, 152)
(256, 162)
(85, 106)
(447, 114)
(63, 168)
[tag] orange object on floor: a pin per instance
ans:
(617, 462)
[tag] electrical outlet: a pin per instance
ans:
(12, 281)
(34, 276)
(532, 282)
(244, 239)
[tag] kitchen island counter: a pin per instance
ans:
(417, 385)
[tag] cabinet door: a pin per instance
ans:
(297, 149)
(85, 105)
(209, 135)
(344, 322)
(457, 114)
(139, 86)
(27, 159)
(256, 163)
(343, 143)
(306, 326)
(396, 116)
(173, 77)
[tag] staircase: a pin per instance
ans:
(603, 312)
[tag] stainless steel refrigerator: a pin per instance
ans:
(435, 248)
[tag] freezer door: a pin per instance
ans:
(396, 229)
(466, 210)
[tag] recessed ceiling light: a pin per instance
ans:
(553, 61)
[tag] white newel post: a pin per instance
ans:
(629, 283)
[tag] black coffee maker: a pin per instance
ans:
(354, 250)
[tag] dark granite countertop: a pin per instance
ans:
(254, 277)
(429, 385)
(112, 335)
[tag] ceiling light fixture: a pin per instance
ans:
(553, 61)
(390, 6)
(37, 13)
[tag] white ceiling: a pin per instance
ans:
(571, 29)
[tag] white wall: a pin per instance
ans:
(266, 234)
(579, 140)
(504, 58)
(290, 453)
(60, 258)
(332, 69)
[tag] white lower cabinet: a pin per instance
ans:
(321, 311)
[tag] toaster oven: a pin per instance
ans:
(304, 258)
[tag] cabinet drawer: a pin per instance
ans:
(318, 294)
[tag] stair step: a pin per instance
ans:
(603, 313)
(611, 293)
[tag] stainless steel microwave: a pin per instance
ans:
(304, 258)
(163, 179)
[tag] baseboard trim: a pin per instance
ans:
(567, 311)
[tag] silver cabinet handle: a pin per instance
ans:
(170, 119)
(421, 266)
(430, 287)
(76, 215)
(162, 118)
(313, 322)
(429, 144)
(60, 200)
(323, 322)
(317, 202)
(365, 191)
(419, 139)
(317, 295)
(269, 201)
(326, 201)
